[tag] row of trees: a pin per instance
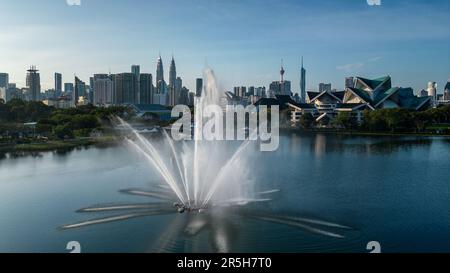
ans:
(57, 123)
(389, 120)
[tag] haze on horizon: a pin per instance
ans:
(243, 41)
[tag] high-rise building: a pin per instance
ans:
(125, 89)
(349, 82)
(184, 96)
(432, 90)
(161, 96)
(251, 91)
(240, 91)
(68, 87)
(159, 70)
(58, 82)
(302, 84)
(173, 95)
(4, 80)
(136, 70)
(178, 86)
(325, 87)
(79, 90)
(191, 98)
(146, 88)
(172, 72)
(34, 84)
(104, 89)
(199, 87)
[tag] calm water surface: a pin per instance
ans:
(395, 190)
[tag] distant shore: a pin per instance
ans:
(361, 133)
(57, 145)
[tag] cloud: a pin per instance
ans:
(358, 65)
(350, 67)
(375, 59)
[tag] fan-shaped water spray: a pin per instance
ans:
(199, 172)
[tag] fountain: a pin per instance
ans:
(201, 173)
(207, 180)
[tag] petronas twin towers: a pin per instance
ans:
(172, 92)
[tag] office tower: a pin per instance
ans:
(172, 73)
(79, 90)
(161, 96)
(58, 82)
(325, 87)
(136, 70)
(159, 70)
(104, 89)
(4, 80)
(33, 82)
(199, 87)
(146, 88)
(173, 95)
(432, 90)
(178, 86)
(191, 98)
(125, 89)
(302, 84)
(349, 82)
(251, 91)
(68, 87)
(184, 96)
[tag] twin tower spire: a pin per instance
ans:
(160, 71)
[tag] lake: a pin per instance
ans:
(393, 190)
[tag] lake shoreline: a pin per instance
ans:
(61, 145)
(58, 145)
(359, 133)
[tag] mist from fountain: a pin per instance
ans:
(201, 172)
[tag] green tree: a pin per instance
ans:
(307, 121)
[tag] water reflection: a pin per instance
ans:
(322, 144)
(218, 222)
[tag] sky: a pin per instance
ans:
(243, 41)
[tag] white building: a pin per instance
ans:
(104, 90)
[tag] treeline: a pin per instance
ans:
(391, 120)
(55, 123)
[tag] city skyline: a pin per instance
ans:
(60, 38)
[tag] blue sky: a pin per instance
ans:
(242, 40)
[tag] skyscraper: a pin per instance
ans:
(103, 94)
(79, 90)
(303, 84)
(173, 95)
(4, 80)
(58, 83)
(159, 71)
(172, 72)
(34, 84)
(136, 70)
(199, 87)
(178, 87)
(125, 88)
(68, 87)
(146, 88)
